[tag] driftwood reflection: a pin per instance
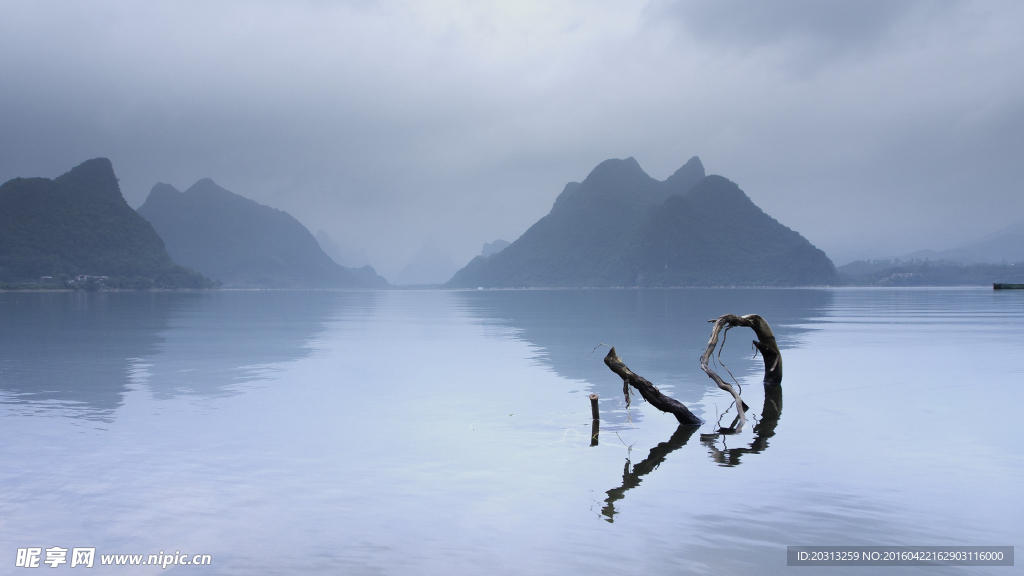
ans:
(763, 430)
(632, 479)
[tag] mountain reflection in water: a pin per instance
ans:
(438, 432)
(660, 333)
(76, 350)
(80, 353)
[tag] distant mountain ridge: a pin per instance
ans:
(620, 227)
(243, 243)
(80, 224)
(431, 265)
(341, 254)
(494, 247)
(1003, 245)
(929, 273)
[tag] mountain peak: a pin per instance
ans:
(94, 166)
(620, 227)
(620, 181)
(162, 189)
(244, 243)
(494, 247)
(78, 223)
(690, 173)
(205, 186)
(96, 174)
(617, 171)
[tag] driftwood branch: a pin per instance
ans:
(649, 391)
(765, 344)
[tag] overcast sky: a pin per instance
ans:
(872, 128)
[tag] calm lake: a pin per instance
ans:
(441, 432)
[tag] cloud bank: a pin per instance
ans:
(874, 128)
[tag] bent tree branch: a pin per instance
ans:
(765, 344)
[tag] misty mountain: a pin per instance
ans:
(620, 227)
(431, 264)
(1004, 245)
(244, 244)
(494, 247)
(341, 254)
(929, 273)
(79, 223)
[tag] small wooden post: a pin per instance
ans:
(595, 426)
(593, 407)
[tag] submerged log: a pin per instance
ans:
(765, 344)
(649, 391)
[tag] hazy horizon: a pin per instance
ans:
(874, 128)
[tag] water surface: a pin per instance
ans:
(433, 432)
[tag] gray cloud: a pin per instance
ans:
(752, 24)
(873, 128)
